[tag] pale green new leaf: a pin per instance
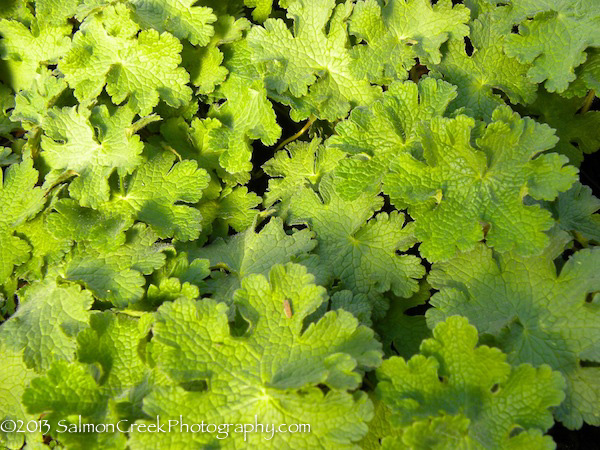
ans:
(47, 322)
(533, 314)
(460, 189)
(108, 51)
(457, 395)
(257, 374)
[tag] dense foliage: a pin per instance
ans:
(362, 215)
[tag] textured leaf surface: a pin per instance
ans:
(72, 143)
(555, 39)
(19, 201)
(47, 322)
(108, 51)
(309, 67)
(534, 314)
(460, 188)
(179, 17)
(255, 374)
(248, 253)
(578, 133)
(457, 395)
(25, 49)
(14, 376)
(384, 130)
(115, 346)
(155, 190)
(479, 76)
(361, 253)
(401, 31)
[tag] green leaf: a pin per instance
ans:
(386, 128)
(32, 104)
(106, 386)
(115, 273)
(401, 332)
(248, 253)
(262, 9)
(125, 62)
(401, 31)
(361, 253)
(553, 36)
(310, 68)
(533, 314)
(247, 115)
(299, 164)
(154, 192)
(576, 211)
(19, 201)
(480, 75)
(93, 144)
(459, 189)
(46, 323)
(181, 18)
(457, 395)
(25, 49)
(577, 132)
(274, 379)
(14, 377)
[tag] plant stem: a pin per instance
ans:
(589, 99)
(311, 120)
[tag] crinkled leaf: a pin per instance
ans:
(385, 129)
(46, 323)
(155, 191)
(460, 188)
(108, 51)
(533, 314)
(255, 374)
(311, 68)
(457, 395)
(248, 253)
(363, 254)
(578, 133)
(92, 144)
(299, 164)
(479, 76)
(19, 201)
(401, 31)
(553, 36)
(26, 49)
